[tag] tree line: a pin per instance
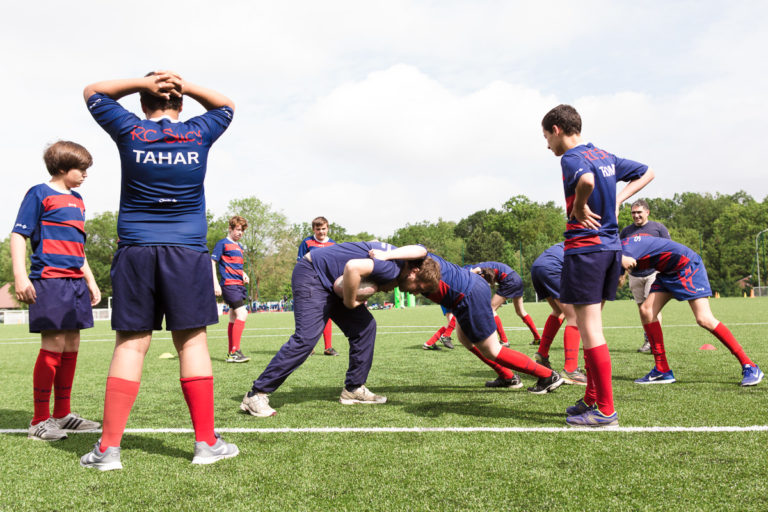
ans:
(721, 227)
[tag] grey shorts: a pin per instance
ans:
(641, 286)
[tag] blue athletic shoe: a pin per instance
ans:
(579, 408)
(657, 377)
(593, 418)
(752, 375)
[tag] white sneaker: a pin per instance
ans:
(106, 461)
(47, 430)
(207, 454)
(361, 395)
(74, 421)
(257, 405)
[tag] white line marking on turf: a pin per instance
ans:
(396, 430)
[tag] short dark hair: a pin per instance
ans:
(642, 203)
(489, 275)
(153, 102)
(319, 221)
(64, 155)
(565, 117)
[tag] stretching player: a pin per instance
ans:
(592, 260)
(314, 302)
(509, 286)
(319, 239)
(545, 274)
(161, 267)
(465, 294)
(443, 334)
(60, 288)
(681, 275)
(228, 256)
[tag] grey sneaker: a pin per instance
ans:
(543, 361)
(646, 347)
(257, 405)
(47, 430)
(447, 341)
(74, 421)
(106, 461)
(501, 382)
(207, 454)
(361, 395)
(577, 377)
(237, 357)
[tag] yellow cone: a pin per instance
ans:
(166, 355)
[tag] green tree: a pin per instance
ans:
(438, 237)
(100, 246)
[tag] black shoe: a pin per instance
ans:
(330, 352)
(430, 347)
(446, 340)
(536, 342)
(500, 382)
(543, 361)
(547, 384)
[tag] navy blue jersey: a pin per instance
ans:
(310, 243)
(329, 262)
(650, 228)
(502, 270)
(163, 162)
(551, 259)
(54, 222)
(455, 283)
(660, 254)
(607, 170)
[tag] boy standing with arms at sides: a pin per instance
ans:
(592, 259)
(319, 239)
(60, 288)
(228, 256)
(161, 267)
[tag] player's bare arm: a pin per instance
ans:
(25, 292)
(406, 252)
(90, 281)
(581, 210)
(216, 285)
(208, 98)
(634, 186)
(164, 84)
(354, 271)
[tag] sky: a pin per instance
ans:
(376, 114)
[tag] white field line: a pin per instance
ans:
(423, 329)
(397, 430)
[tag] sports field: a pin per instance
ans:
(442, 442)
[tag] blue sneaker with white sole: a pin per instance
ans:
(752, 375)
(657, 377)
(579, 408)
(593, 418)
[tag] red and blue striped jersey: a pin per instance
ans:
(655, 253)
(310, 243)
(54, 222)
(455, 283)
(229, 256)
(163, 167)
(607, 170)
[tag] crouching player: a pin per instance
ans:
(227, 255)
(315, 301)
(545, 274)
(60, 288)
(509, 286)
(681, 276)
(465, 294)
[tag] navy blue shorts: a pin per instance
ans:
(689, 283)
(590, 278)
(511, 287)
(152, 282)
(61, 304)
(235, 295)
(546, 281)
(474, 313)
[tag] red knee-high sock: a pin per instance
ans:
(42, 381)
(601, 364)
(237, 333)
(725, 336)
(449, 328)
(551, 326)
(431, 341)
(327, 335)
(118, 401)
(230, 328)
(502, 372)
(590, 393)
(656, 339)
(500, 329)
(527, 320)
(571, 341)
(62, 384)
(198, 392)
(518, 361)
